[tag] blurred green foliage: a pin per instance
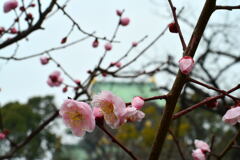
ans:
(21, 120)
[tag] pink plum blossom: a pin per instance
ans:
(108, 46)
(124, 21)
(202, 145)
(54, 79)
(132, 115)
(137, 102)
(78, 116)
(10, 5)
(2, 136)
(197, 154)
(44, 60)
(232, 116)
(186, 64)
(111, 106)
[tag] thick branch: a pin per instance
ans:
(180, 80)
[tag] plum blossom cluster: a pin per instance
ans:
(201, 149)
(80, 117)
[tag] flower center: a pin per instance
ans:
(107, 108)
(75, 118)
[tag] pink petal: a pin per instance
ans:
(197, 154)
(2, 136)
(232, 116)
(10, 5)
(108, 98)
(202, 145)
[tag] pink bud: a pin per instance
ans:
(13, 30)
(44, 60)
(78, 82)
(134, 44)
(119, 13)
(65, 89)
(108, 46)
(95, 43)
(117, 64)
(137, 102)
(124, 21)
(29, 17)
(202, 145)
(173, 27)
(10, 5)
(2, 136)
(32, 5)
(64, 40)
(104, 74)
(186, 64)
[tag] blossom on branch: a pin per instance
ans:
(44, 60)
(232, 116)
(202, 145)
(2, 136)
(54, 79)
(124, 21)
(137, 102)
(186, 64)
(201, 148)
(111, 106)
(78, 116)
(197, 154)
(132, 115)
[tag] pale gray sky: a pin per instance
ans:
(23, 79)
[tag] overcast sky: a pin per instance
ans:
(23, 79)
